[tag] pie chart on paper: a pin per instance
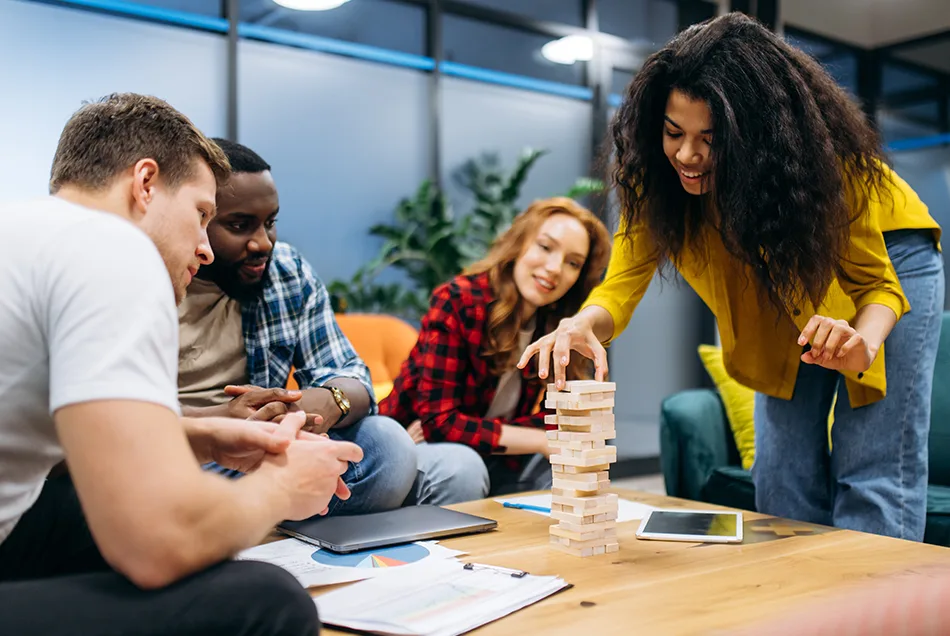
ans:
(377, 558)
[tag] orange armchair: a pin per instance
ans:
(383, 342)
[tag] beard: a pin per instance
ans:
(228, 278)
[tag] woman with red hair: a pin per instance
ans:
(460, 381)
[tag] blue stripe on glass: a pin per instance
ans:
(455, 69)
(328, 45)
(919, 143)
(169, 16)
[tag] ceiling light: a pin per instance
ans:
(569, 49)
(311, 5)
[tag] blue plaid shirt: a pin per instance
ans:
(292, 325)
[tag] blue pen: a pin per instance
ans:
(508, 504)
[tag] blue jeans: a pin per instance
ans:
(385, 477)
(875, 477)
(448, 473)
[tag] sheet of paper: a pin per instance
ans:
(314, 567)
(434, 598)
(626, 510)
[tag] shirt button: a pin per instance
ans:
(797, 312)
(860, 375)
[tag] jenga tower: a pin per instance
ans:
(580, 459)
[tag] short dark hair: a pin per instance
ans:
(242, 158)
(107, 136)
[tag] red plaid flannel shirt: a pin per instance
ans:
(447, 384)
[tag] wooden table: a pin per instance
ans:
(665, 588)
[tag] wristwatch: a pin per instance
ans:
(340, 398)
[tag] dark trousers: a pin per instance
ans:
(53, 581)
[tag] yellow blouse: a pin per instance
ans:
(759, 342)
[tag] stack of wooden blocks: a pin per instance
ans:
(580, 459)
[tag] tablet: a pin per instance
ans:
(379, 529)
(700, 526)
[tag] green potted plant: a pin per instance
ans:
(431, 246)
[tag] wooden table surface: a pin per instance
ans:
(660, 588)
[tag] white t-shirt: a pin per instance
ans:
(87, 312)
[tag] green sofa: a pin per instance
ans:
(700, 461)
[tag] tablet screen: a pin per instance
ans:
(711, 524)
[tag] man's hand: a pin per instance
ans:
(267, 405)
(309, 470)
(251, 401)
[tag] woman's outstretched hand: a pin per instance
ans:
(836, 345)
(572, 334)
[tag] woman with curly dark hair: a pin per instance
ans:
(460, 381)
(741, 164)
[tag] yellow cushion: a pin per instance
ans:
(739, 403)
(738, 400)
(382, 389)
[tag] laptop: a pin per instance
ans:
(379, 529)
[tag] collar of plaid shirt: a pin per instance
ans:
(292, 324)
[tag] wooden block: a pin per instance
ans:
(582, 491)
(579, 552)
(552, 434)
(589, 428)
(580, 470)
(586, 527)
(591, 501)
(585, 478)
(599, 550)
(589, 543)
(577, 461)
(558, 468)
(573, 519)
(579, 420)
(584, 386)
(585, 536)
(589, 445)
(612, 547)
(593, 457)
(576, 403)
(585, 436)
(585, 413)
(585, 506)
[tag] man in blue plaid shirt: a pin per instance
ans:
(257, 312)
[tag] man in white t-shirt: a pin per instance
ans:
(89, 280)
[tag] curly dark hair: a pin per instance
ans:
(794, 157)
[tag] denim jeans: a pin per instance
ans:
(385, 477)
(874, 479)
(448, 473)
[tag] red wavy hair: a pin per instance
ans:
(507, 313)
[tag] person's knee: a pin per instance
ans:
(452, 473)
(389, 461)
(266, 600)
